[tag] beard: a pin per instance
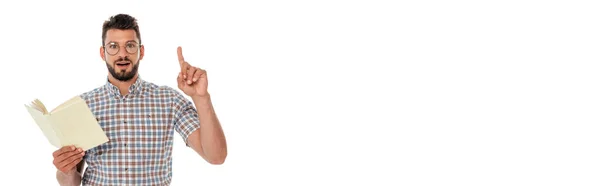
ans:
(123, 75)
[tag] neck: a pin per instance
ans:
(122, 85)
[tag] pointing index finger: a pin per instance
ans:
(180, 55)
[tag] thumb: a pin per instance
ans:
(180, 81)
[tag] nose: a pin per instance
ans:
(122, 52)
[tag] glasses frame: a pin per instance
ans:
(119, 48)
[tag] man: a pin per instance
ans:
(140, 118)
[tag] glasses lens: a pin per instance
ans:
(112, 48)
(131, 48)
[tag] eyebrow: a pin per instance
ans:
(118, 42)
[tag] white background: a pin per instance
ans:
(336, 92)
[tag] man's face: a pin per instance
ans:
(122, 53)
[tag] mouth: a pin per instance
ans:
(123, 64)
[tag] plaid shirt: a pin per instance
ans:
(140, 128)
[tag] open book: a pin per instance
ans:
(71, 123)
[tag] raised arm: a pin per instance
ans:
(209, 139)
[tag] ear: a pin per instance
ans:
(141, 53)
(102, 53)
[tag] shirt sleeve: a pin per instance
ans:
(186, 116)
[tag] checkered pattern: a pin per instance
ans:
(140, 128)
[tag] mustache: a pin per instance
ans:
(123, 59)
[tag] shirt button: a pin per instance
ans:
(125, 145)
(126, 169)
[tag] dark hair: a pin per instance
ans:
(122, 22)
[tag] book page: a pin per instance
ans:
(41, 105)
(67, 103)
(38, 105)
(44, 124)
(77, 125)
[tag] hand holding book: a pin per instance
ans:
(67, 158)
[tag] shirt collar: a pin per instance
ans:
(134, 89)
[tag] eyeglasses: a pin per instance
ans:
(113, 48)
